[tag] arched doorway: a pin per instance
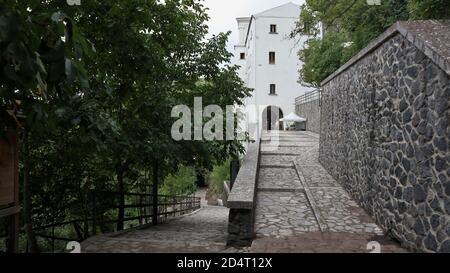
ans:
(270, 117)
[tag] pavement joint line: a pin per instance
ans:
(288, 138)
(290, 141)
(314, 135)
(309, 139)
(299, 190)
(280, 154)
(319, 218)
(288, 145)
(277, 166)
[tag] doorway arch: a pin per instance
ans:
(270, 118)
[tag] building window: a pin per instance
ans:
(273, 28)
(242, 56)
(271, 57)
(273, 89)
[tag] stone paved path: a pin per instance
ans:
(301, 208)
(201, 231)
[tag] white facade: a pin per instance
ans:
(256, 41)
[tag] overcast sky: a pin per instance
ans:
(223, 14)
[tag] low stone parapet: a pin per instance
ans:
(242, 200)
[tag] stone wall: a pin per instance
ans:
(311, 111)
(242, 199)
(385, 132)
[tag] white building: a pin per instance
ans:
(270, 64)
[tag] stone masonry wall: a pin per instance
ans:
(385, 137)
(311, 111)
(242, 200)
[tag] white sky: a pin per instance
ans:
(223, 14)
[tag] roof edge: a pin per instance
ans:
(279, 6)
(252, 18)
(243, 19)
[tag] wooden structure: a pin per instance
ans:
(139, 210)
(9, 187)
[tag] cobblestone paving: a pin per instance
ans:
(285, 150)
(277, 160)
(280, 143)
(316, 176)
(288, 220)
(296, 214)
(310, 157)
(297, 150)
(278, 179)
(328, 242)
(201, 231)
(341, 212)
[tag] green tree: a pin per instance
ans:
(42, 71)
(97, 83)
(429, 9)
(324, 56)
(349, 26)
(155, 62)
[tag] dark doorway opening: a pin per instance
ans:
(271, 118)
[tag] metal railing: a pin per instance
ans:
(310, 96)
(103, 216)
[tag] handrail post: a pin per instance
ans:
(94, 214)
(155, 193)
(13, 234)
(53, 237)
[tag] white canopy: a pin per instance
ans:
(293, 117)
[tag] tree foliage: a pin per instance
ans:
(323, 56)
(429, 9)
(349, 26)
(183, 182)
(97, 83)
(42, 63)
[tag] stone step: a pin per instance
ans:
(277, 160)
(289, 139)
(280, 190)
(287, 150)
(282, 166)
(288, 145)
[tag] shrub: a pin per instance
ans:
(183, 182)
(219, 174)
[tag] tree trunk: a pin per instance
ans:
(121, 189)
(33, 246)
